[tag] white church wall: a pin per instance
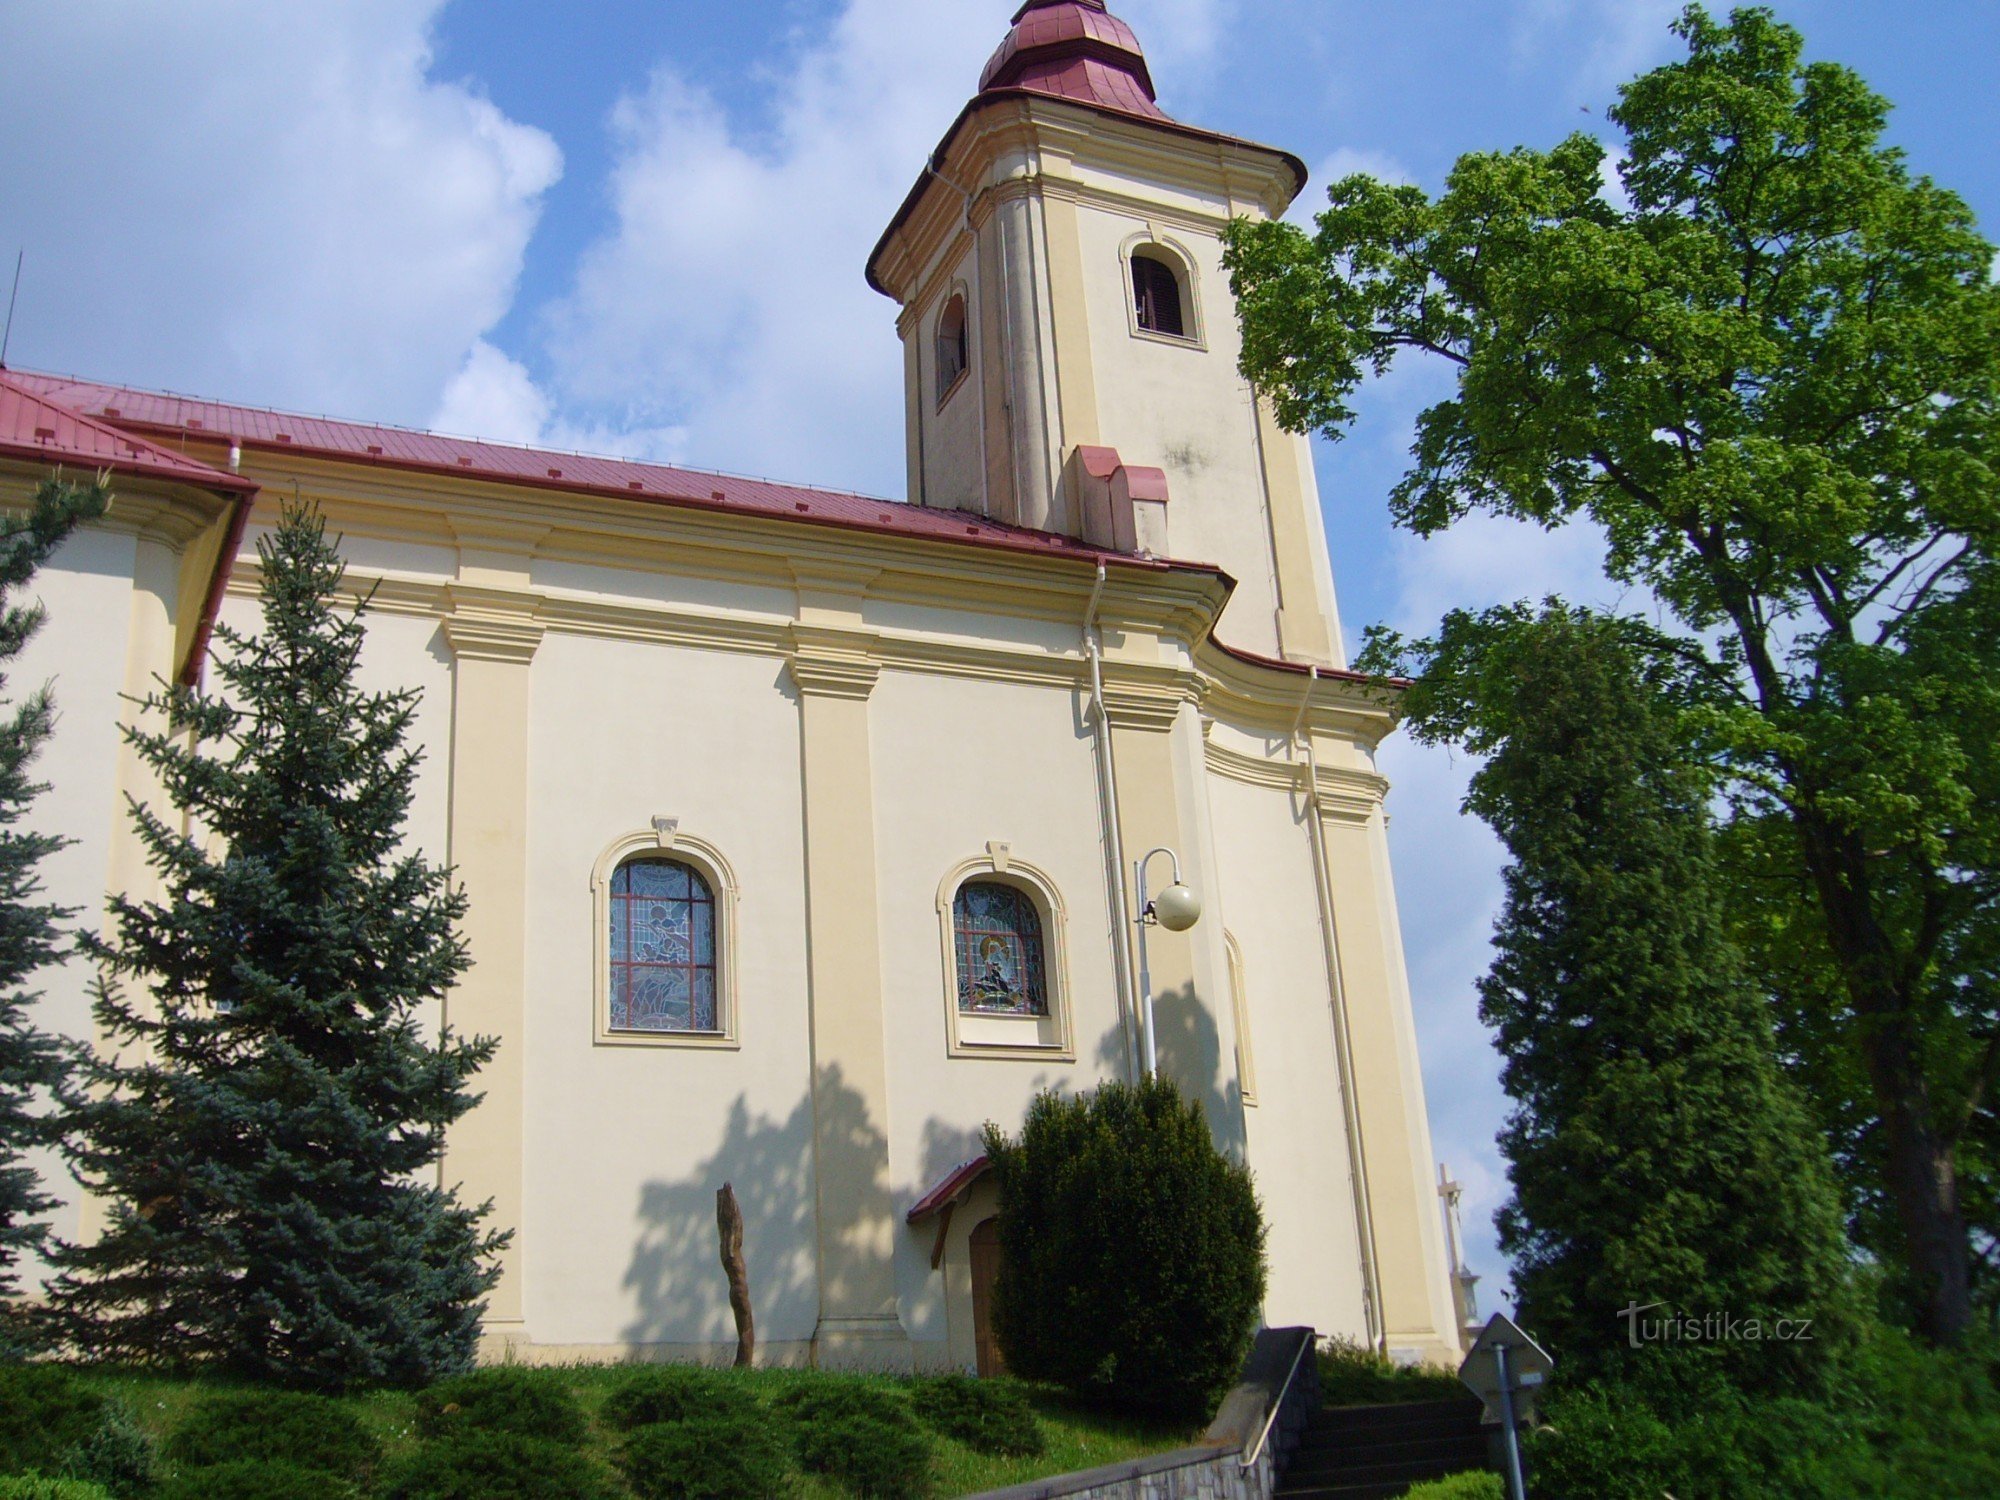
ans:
(1297, 1137)
(80, 652)
(1181, 406)
(626, 1145)
(960, 763)
(950, 418)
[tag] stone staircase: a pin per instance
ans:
(1374, 1452)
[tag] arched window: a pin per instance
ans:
(663, 948)
(951, 353)
(997, 938)
(1156, 292)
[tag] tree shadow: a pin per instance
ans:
(1188, 1044)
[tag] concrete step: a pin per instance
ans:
(1468, 1450)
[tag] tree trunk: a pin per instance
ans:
(729, 1226)
(1920, 1166)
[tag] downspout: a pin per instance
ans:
(1343, 1046)
(1114, 838)
(218, 585)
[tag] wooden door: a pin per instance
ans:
(984, 1244)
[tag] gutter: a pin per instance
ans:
(1114, 837)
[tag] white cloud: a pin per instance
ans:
(1182, 39)
(1344, 161)
(728, 299)
(271, 203)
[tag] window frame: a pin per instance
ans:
(1150, 245)
(705, 860)
(1048, 1038)
(946, 389)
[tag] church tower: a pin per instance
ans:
(1070, 342)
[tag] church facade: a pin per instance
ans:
(800, 828)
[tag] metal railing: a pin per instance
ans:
(1306, 1344)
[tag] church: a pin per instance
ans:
(806, 832)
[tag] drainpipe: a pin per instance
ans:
(1343, 1047)
(1114, 838)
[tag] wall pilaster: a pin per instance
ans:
(834, 668)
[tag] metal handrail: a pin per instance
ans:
(1278, 1405)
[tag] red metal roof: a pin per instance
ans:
(1075, 50)
(950, 1190)
(119, 410)
(35, 426)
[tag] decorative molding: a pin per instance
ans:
(831, 662)
(1350, 797)
(491, 624)
(1255, 770)
(1053, 1038)
(700, 855)
(1150, 706)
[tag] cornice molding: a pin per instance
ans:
(1353, 798)
(830, 662)
(491, 624)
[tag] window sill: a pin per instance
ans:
(699, 1041)
(995, 1035)
(1174, 340)
(951, 390)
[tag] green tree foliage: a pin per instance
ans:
(1769, 376)
(264, 1126)
(1131, 1251)
(31, 1061)
(1658, 1153)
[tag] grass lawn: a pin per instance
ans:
(1076, 1438)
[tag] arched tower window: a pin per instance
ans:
(951, 348)
(1156, 292)
(663, 964)
(998, 943)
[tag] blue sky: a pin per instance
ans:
(640, 228)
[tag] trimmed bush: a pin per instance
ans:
(988, 1416)
(283, 1427)
(861, 1437)
(255, 1479)
(1351, 1374)
(44, 1413)
(1131, 1251)
(1480, 1484)
(120, 1455)
(715, 1456)
(527, 1403)
(674, 1393)
(34, 1487)
(495, 1465)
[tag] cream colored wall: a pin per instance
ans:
(1297, 1138)
(961, 764)
(954, 476)
(80, 653)
(628, 1145)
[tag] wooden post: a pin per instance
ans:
(729, 1226)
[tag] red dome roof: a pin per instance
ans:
(1074, 49)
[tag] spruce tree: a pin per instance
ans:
(1658, 1152)
(31, 1061)
(269, 1129)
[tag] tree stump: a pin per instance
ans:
(729, 1227)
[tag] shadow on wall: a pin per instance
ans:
(676, 1274)
(1188, 1043)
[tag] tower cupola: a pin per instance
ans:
(1069, 337)
(1074, 49)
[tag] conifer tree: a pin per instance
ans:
(30, 1059)
(269, 1132)
(1658, 1153)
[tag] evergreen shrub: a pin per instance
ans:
(35, 1487)
(721, 1455)
(1476, 1484)
(120, 1455)
(289, 1427)
(861, 1437)
(528, 1403)
(1131, 1251)
(988, 1416)
(44, 1413)
(255, 1479)
(674, 1393)
(495, 1465)
(1351, 1374)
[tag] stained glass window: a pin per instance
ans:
(662, 948)
(999, 943)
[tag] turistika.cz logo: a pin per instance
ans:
(1673, 1327)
